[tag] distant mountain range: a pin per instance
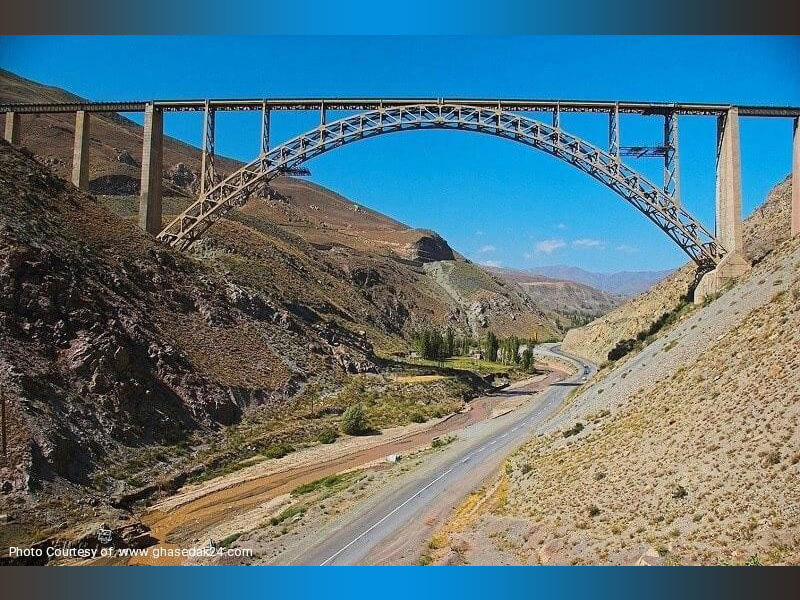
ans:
(625, 283)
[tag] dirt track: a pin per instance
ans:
(175, 522)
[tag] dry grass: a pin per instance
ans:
(699, 467)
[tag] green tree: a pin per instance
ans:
(466, 343)
(514, 344)
(449, 343)
(354, 421)
(492, 346)
(527, 359)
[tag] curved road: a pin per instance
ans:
(392, 526)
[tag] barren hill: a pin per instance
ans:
(569, 302)
(686, 452)
(623, 283)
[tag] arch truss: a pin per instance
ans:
(658, 205)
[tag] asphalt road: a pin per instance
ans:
(391, 527)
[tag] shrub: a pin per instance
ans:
(328, 436)
(279, 450)
(526, 468)
(679, 492)
(287, 514)
(230, 539)
(354, 421)
(438, 442)
(312, 486)
(418, 417)
(622, 348)
(576, 429)
(593, 510)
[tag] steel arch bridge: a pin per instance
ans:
(661, 207)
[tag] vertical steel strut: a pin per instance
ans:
(613, 132)
(207, 179)
(265, 115)
(672, 171)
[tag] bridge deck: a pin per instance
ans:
(236, 104)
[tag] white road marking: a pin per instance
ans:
(531, 421)
(386, 517)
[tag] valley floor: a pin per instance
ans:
(250, 505)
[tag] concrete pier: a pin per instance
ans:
(12, 128)
(729, 208)
(150, 192)
(796, 178)
(729, 182)
(80, 152)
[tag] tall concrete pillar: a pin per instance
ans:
(80, 152)
(12, 128)
(796, 178)
(729, 208)
(729, 182)
(150, 193)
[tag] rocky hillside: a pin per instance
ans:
(109, 339)
(687, 452)
(763, 231)
(568, 302)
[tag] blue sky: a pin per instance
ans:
(494, 200)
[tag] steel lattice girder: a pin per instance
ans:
(661, 208)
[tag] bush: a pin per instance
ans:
(230, 539)
(418, 417)
(328, 436)
(576, 429)
(279, 450)
(679, 492)
(439, 442)
(312, 486)
(354, 421)
(622, 348)
(287, 514)
(526, 468)
(593, 510)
